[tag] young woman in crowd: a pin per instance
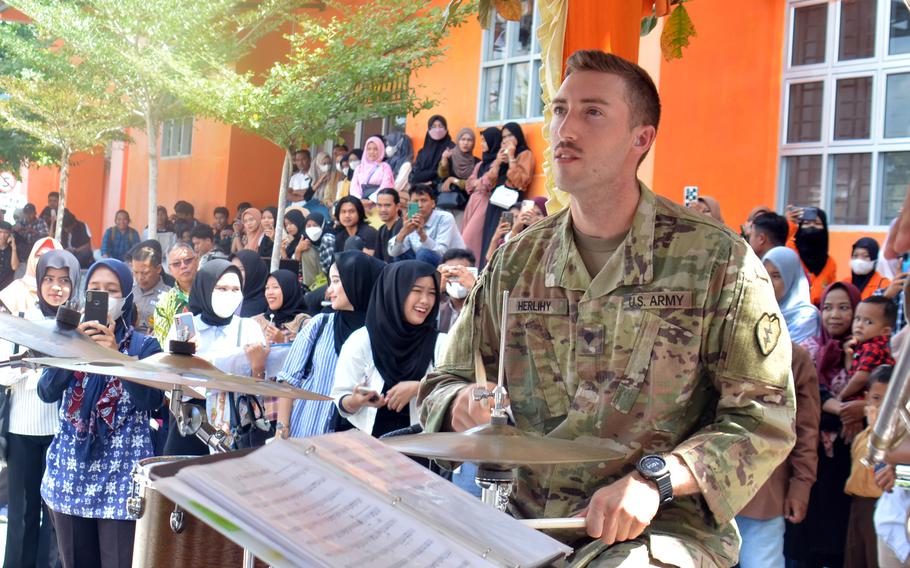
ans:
(317, 252)
(103, 432)
(351, 222)
(520, 159)
(253, 237)
(435, 142)
(488, 174)
(294, 225)
(812, 244)
(325, 179)
(380, 366)
(708, 206)
(522, 218)
(863, 268)
(314, 355)
(792, 291)
(284, 317)
(400, 156)
(349, 163)
(819, 539)
(120, 238)
(372, 173)
(21, 294)
(254, 272)
(33, 422)
(455, 167)
(269, 214)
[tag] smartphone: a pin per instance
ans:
(508, 217)
(527, 205)
(809, 214)
(95, 306)
(413, 209)
(185, 323)
(690, 195)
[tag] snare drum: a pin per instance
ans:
(166, 535)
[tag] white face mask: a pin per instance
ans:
(390, 151)
(323, 168)
(861, 266)
(313, 233)
(353, 164)
(456, 290)
(224, 303)
(115, 307)
(339, 168)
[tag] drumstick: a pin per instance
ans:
(553, 524)
(480, 374)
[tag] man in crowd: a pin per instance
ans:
(76, 239)
(49, 213)
(430, 231)
(148, 288)
(186, 218)
(635, 325)
(387, 205)
(9, 260)
(300, 185)
(204, 244)
(183, 264)
(458, 274)
(768, 230)
(224, 232)
(29, 228)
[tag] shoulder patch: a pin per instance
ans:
(767, 333)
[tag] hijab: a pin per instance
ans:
(541, 203)
(871, 245)
(322, 180)
(404, 151)
(203, 286)
(429, 156)
(357, 153)
(292, 298)
(297, 219)
(463, 162)
(56, 259)
(829, 361)
(812, 245)
(713, 207)
(401, 351)
(252, 240)
(21, 294)
(317, 218)
(255, 273)
(358, 273)
(125, 276)
(515, 130)
(801, 316)
(368, 168)
(493, 137)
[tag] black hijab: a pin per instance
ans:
(203, 286)
(358, 273)
(254, 277)
(404, 152)
(358, 153)
(295, 218)
(493, 137)
(318, 218)
(429, 156)
(871, 246)
(812, 245)
(515, 130)
(401, 351)
(292, 298)
(56, 259)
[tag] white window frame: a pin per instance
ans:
(878, 67)
(184, 147)
(532, 58)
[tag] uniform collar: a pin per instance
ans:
(630, 265)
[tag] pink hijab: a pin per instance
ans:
(367, 168)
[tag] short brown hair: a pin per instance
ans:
(641, 93)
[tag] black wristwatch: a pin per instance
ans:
(654, 468)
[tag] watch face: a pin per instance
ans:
(652, 464)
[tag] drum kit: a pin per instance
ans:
(166, 535)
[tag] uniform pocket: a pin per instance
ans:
(536, 380)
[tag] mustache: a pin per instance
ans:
(565, 145)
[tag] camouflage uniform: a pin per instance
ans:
(677, 346)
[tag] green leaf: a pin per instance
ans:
(677, 30)
(648, 24)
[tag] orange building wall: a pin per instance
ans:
(254, 172)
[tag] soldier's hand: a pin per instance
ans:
(794, 510)
(466, 412)
(622, 510)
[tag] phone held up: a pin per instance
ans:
(413, 209)
(186, 329)
(809, 214)
(95, 306)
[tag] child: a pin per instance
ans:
(873, 323)
(861, 545)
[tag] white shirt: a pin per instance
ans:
(442, 234)
(890, 519)
(299, 182)
(355, 368)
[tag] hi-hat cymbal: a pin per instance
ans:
(164, 370)
(45, 336)
(501, 445)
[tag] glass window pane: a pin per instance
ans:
(536, 101)
(166, 138)
(492, 88)
(852, 174)
(187, 148)
(496, 39)
(810, 26)
(519, 84)
(804, 122)
(895, 179)
(853, 108)
(857, 30)
(371, 127)
(897, 109)
(899, 31)
(803, 181)
(522, 31)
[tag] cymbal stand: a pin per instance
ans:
(191, 421)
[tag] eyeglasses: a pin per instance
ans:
(185, 263)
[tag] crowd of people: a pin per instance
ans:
(379, 252)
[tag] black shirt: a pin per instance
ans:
(367, 234)
(385, 235)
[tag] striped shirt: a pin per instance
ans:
(28, 414)
(312, 417)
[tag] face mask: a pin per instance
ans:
(339, 168)
(352, 165)
(437, 133)
(224, 304)
(861, 266)
(390, 151)
(456, 290)
(323, 168)
(313, 233)
(115, 307)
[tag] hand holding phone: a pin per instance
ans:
(413, 209)
(95, 306)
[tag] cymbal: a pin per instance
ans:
(164, 370)
(44, 336)
(501, 445)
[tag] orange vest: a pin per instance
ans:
(877, 282)
(818, 283)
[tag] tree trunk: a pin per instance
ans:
(282, 205)
(151, 130)
(64, 181)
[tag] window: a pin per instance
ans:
(845, 140)
(177, 137)
(510, 70)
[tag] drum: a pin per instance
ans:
(167, 536)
